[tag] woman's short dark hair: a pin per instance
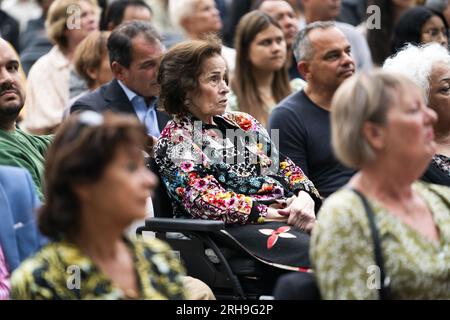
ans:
(179, 71)
(83, 147)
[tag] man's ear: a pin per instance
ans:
(118, 70)
(303, 69)
(374, 135)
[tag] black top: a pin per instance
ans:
(305, 137)
(436, 175)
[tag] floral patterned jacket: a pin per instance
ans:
(229, 171)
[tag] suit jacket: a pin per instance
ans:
(19, 236)
(111, 97)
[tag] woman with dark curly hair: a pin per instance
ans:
(96, 184)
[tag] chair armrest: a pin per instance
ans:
(182, 225)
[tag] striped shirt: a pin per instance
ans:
(4, 277)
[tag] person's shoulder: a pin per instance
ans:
(33, 139)
(94, 101)
(342, 206)
(151, 246)
(11, 174)
(40, 275)
(41, 262)
(441, 190)
(293, 101)
(290, 107)
(46, 61)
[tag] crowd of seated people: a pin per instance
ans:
(314, 160)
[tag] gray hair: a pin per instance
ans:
(302, 47)
(180, 9)
(366, 96)
(438, 5)
(416, 62)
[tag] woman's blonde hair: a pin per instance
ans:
(364, 97)
(57, 20)
(90, 54)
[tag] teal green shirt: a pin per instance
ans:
(20, 149)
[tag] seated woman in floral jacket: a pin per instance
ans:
(223, 165)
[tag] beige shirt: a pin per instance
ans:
(47, 91)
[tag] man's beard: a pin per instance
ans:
(12, 111)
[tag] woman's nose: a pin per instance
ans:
(224, 88)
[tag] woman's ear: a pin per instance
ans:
(92, 73)
(82, 191)
(374, 135)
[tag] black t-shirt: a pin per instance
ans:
(305, 137)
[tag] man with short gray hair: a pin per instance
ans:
(328, 10)
(303, 119)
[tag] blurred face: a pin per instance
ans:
(446, 13)
(331, 63)
(439, 99)
(434, 31)
(322, 10)
(403, 4)
(103, 74)
(12, 93)
(89, 21)
(408, 133)
(210, 98)
(122, 191)
(140, 76)
(268, 50)
(283, 13)
(137, 13)
(205, 19)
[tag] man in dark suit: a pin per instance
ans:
(135, 49)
